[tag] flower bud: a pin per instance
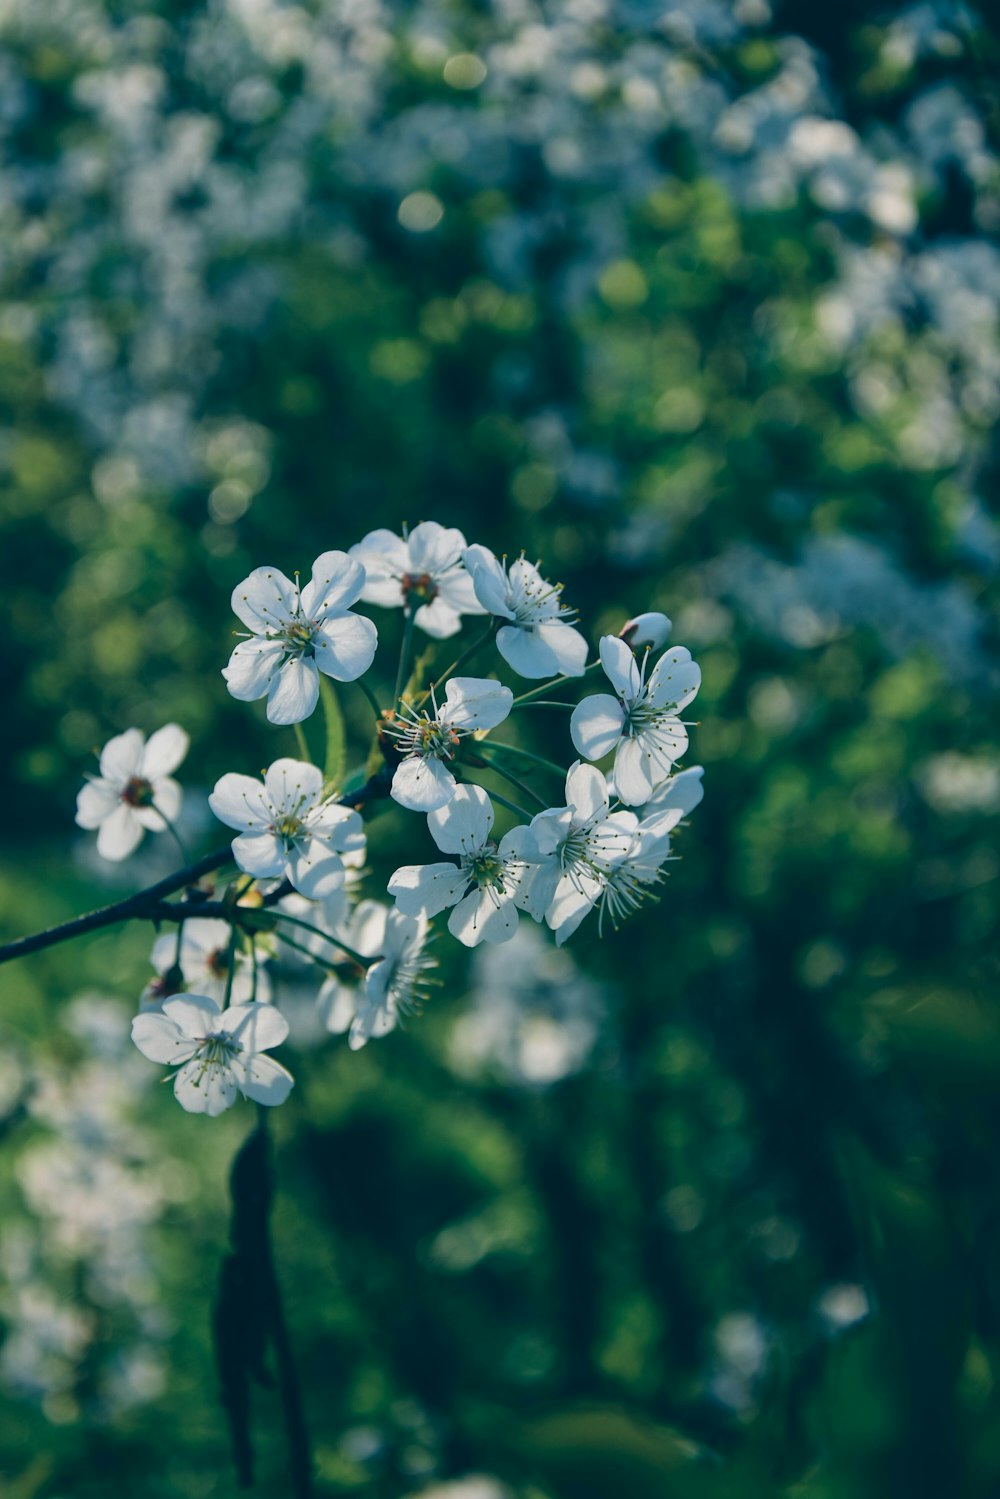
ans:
(646, 629)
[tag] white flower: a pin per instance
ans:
(426, 567)
(640, 724)
(650, 629)
(422, 781)
(483, 884)
(393, 985)
(576, 849)
(297, 634)
(217, 1053)
(203, 961)
(631, 881)
(285, 827)
(538, 639)
(134, 790)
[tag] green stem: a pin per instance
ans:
(303, 743)
(526, 697)
(459, 660)
(316, 931)
(511, 806)
(507, 775)
(231, 961)
(173, 833)
(372, 699)
(544, 703)
(301, 947)
(333, 761)
(515, 749)
(404, 655)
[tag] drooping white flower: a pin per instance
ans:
(297, 633)
(200, 965)
(134, 790)
(538, 638)
(576, 849)
(641, 724)
(422, 781)
(424, 567)
(651, 629)
(393, 985)
(484, 883)
(217, 1053)
(286, 828)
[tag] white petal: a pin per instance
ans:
(586, 792)
(682, 792)
(422, 784)
(489, 581)
(252, 668)
(340, 828)
(438, 619)
(651, 628)
(265, 601)
(195, 1015)
(434, 548)
(666, 740)
(596, 725)
(634, 772)
(345, 646)
(674, 679)
(385, 558)
(464, 824)
(569, 906)
(457, 590)
(260, 854)
(475, 703)
(336, 583)
(95, 801)
(620, 668)
(119, 834)
(314, 870)
(335, 1004)
(526, 652)
(567, 645)
(481, 918)
(257, 1027)
(427, 889)
(263, 1080)
(164, 752)
(121, 757)
(161, 1040)
(366, 930)
(240, 803)
(294, 692)
(372, 1021)
(293, 786)
(167, 799)
(201, 1089)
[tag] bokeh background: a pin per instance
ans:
(698, 302)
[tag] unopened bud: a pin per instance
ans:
(646, 629)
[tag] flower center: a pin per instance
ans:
(486, 868)
(287, 826)
(217, 963)
(138, 792)
(421, 585)
(299, 636)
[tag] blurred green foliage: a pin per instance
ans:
(750, 1244)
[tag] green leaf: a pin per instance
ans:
(333, 767)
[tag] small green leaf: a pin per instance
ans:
(333, 767)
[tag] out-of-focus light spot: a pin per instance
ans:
(843, 1305)
(679, 410)
(464, 71)
(420, 212)
(622, 284)
(685, 1207)
(228, 501)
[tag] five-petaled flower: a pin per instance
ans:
(483, 885)
(422, 781)
(134, 790)
(422, 571)
(641, 724)
(537, 637)
(297, 633)
(217, 1053)
(287, 828)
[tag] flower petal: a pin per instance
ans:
(482, 918)
(596, 725)
(164, 752)
(252, 668)
(586, 792)
(682, 792)
(195, 1015)
(489, 581)
(263, 1080)
(422, 784)
(292, 786)
(434, 548)
(427, 889)
(294, 692)
(438, 619)
(119, 834)
(335, 1004)
(464, 824)
(337, 581)
(95, 801)
(345, 646)
(674, 679)
(240, 803)
(634, 772)
(265, 600)
(568, 646)
(385, 557)
(256, 1027)
(160, 1040)
(205, 1088)
(526, 652)
(260, 854)
(475, 703)
(620, 667)
(121, 757)
(167, 799)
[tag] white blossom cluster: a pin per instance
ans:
(299, 846)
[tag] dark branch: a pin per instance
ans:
(149, 904)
